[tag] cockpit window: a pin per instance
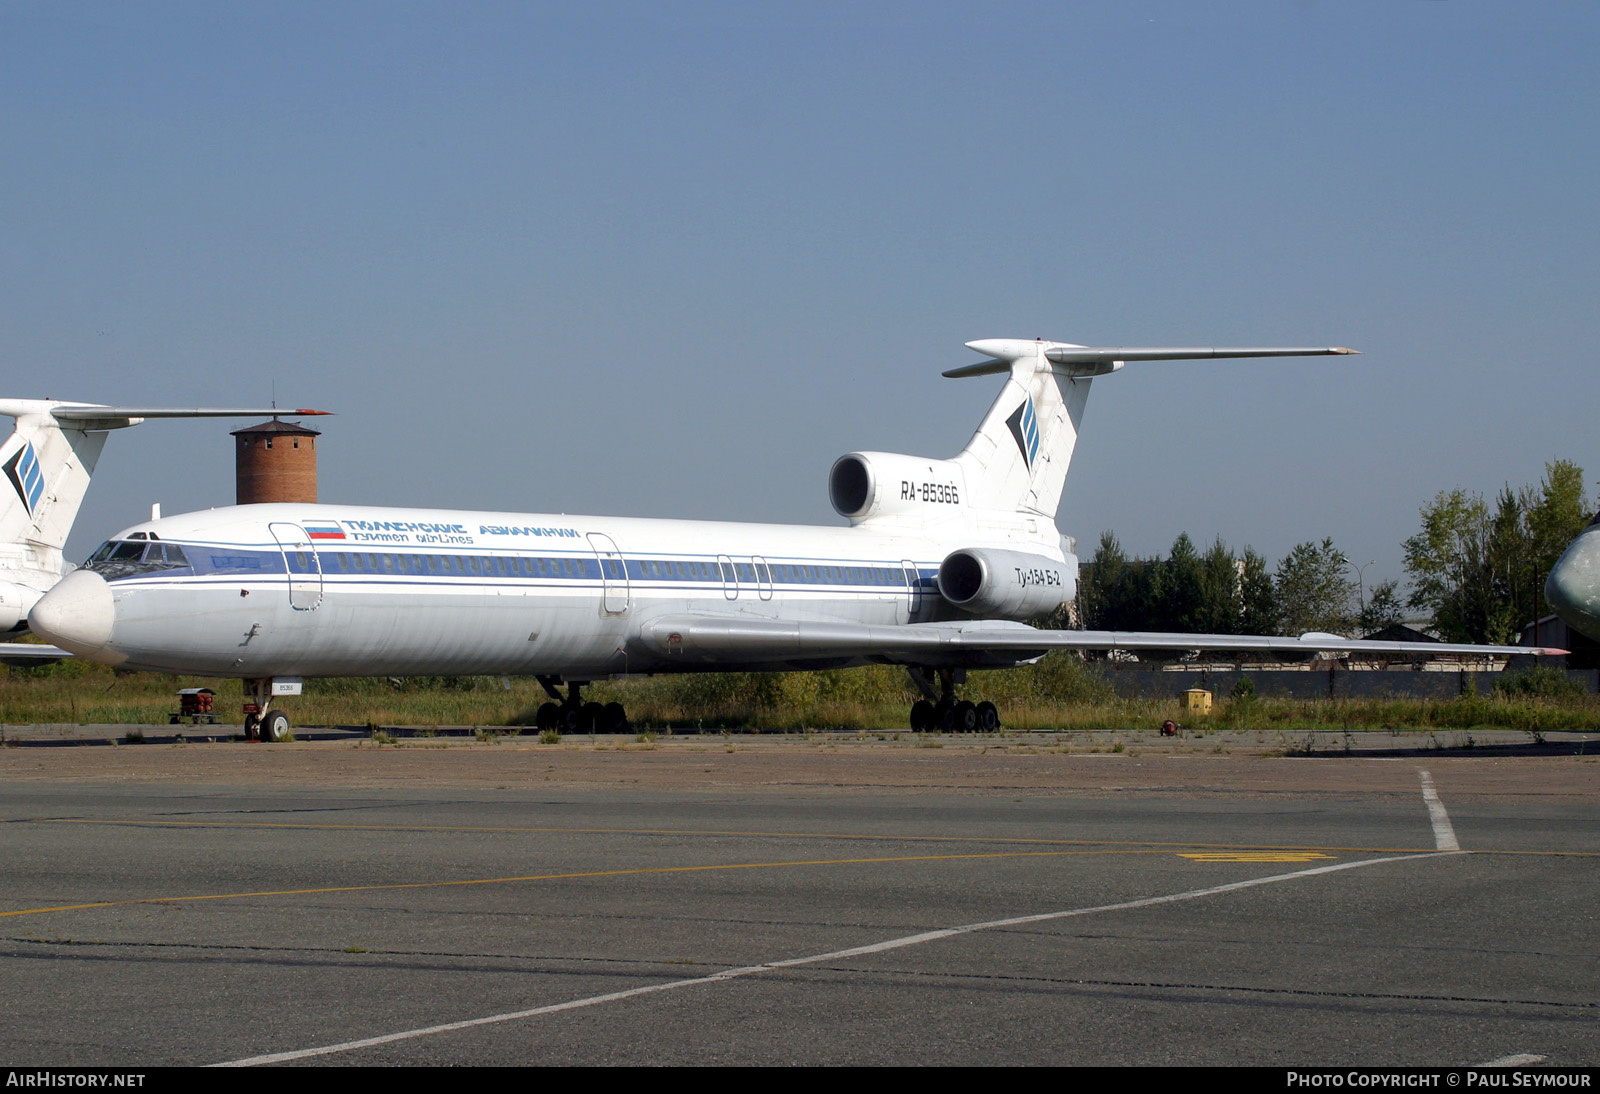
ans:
(130, 557)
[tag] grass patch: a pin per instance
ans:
(1059, 693)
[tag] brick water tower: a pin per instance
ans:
(276, 461)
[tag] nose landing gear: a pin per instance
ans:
(942, 712)
(260, 722)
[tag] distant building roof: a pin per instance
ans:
(1399, 632)
(276, 426)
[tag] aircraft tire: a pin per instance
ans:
(966, 717)
(275, 726)
(571, 718)
(252, 727)
(921, 716)
(944, 716)
(614, 718)
(547, 717)
(594, 718)
(988, 717)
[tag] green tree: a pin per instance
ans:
(1445, 562)
(1313, 589)
(1258, 599)
(1181, 595)
(1212, 593)
(1220, 609)
(1561, 512)
(1099, 581)
(1480, 573)
(1383, 608)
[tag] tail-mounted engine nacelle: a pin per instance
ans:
(864, 485)
(15, 603)
(1007, 584)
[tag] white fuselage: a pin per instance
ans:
(333, 590)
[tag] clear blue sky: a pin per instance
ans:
(673, 259)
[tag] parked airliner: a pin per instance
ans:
(941, 565)
(1573, 587)
(47, 461)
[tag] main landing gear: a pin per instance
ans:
(941, 711)
(570, 714)
(260, 722)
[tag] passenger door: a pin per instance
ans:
(303, 564)
(616, 592)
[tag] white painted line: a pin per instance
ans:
(834, 955)
(1444, 836)
(1516, 1061)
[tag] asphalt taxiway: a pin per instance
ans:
(785, 902)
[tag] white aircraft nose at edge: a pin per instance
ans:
(941, 564)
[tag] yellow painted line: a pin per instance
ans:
(1253, 856)
(551, 877)
(717, 832)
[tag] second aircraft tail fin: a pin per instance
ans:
(47, 461)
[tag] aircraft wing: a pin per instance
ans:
(980, 643)
(29, 653)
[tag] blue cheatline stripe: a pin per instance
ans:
(393, 568)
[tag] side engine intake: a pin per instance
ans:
(1007, 584)
(863, 485)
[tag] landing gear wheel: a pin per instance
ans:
(921, 716)
(988, 717)
(944, 716)
(571, 718)
(275, 726)
(547, 718)
(614, 718)
(252, 727)
(966, 716)
(593, 717)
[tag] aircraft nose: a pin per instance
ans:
(78, 615)
(1573, 587)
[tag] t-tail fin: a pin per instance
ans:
(1018, 459)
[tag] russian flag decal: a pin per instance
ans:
(324, 531)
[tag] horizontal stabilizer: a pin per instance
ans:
(89, 412)
(1003, 351)
(1085, 355)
